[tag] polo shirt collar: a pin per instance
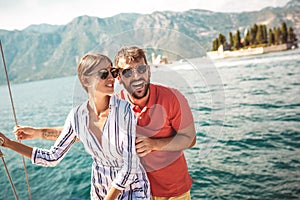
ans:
(151, 100)
(152, 96)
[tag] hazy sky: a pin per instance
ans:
(18, 14)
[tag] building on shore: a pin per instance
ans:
(156, 60)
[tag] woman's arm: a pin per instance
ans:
(42, 156)
(46, 133)
(46, 157)
(112, 194)
(60, 148)
(28, 132)
(16, 146)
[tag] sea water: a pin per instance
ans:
(246, 112)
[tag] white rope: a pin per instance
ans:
(7, 172)
(16, 122)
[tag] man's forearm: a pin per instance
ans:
(176, 143)
(184, 139)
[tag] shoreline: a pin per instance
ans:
(220, 54)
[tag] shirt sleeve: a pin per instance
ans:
(131, 160)
(182, 116)
(61, 146)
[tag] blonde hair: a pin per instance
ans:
(88, 64)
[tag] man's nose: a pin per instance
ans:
(135, 73)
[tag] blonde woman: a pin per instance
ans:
(106, 126)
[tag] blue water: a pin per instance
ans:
(247, 114)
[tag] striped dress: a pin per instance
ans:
(115, 162)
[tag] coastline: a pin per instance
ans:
(220, 54)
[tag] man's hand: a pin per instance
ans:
(184, 139)
(144, 146)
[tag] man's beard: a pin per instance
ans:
(138, 95)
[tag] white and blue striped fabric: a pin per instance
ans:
(115, 162)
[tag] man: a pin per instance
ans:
(165, 126)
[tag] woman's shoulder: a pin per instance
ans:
(80, 109)
(122, 107)
(116, 101)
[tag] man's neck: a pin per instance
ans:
(142, 102)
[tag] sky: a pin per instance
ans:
(19, 14)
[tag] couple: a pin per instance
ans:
(132, 142)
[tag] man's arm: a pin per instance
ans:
(184, 139)
(28, 133)
(182, 121)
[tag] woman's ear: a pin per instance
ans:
(85, 81)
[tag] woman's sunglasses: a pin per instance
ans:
(103, 73)
(141, 69)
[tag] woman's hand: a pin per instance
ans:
(15, 146)
(3, 139)
(25, 133)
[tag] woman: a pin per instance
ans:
(106, 126)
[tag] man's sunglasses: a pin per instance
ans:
(103, 73)
(141, 69)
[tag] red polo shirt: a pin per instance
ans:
(166, 112)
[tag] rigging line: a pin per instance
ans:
(7, 172)
(14, 112)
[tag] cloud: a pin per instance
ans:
(10, 4)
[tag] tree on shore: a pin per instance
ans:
(221, 39)
(284, 33)
(215, 44)
(291, 36)
(277, 36)
(231, 39)
(271, 37)
(257, 35)
(247, 38)
(265, 34)
(253, 32)
(237, 41)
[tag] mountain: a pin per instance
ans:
(48, 51)
(42, 28)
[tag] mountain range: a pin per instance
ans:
(48, 51)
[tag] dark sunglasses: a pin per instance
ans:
(141, 69)
(103, 73)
